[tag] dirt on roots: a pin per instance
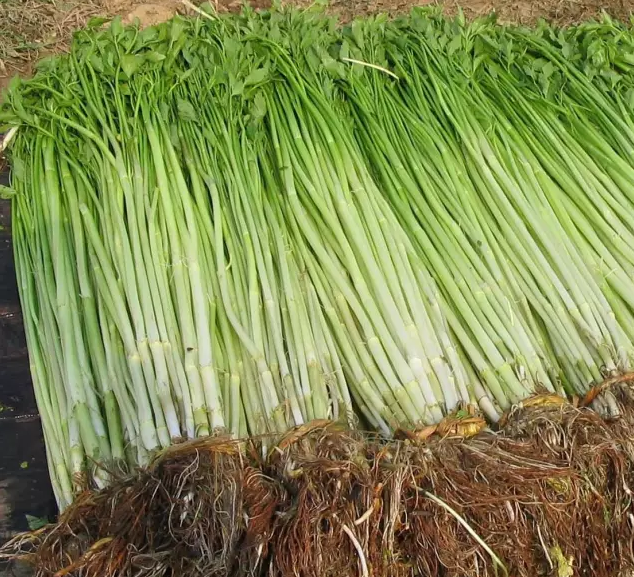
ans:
(548, 494)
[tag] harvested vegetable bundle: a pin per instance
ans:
(245, 223)
(526, 248)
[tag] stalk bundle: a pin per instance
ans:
(241, 224)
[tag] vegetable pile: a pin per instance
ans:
(245, 223)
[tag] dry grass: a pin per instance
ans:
(562, 12)
(30, 29)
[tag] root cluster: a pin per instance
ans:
(548, 494)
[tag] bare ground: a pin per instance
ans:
(30, 29)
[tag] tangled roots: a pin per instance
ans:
(548, 494)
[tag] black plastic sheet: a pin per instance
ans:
(25, 490)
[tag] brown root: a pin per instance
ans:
(547, 494)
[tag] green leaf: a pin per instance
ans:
(313, 59)
(116, 27)
(186, 110)
(566, 50)
(148, 34)
(259, 106)
(231, 48)
(461, 17)
(334, 68)
(6, 192)
(14, 84)
(257, 76)
(174, 138)
(36, 523)
(154, 56)
(177, 28)
(455, 44)
(130, 63)
(237, 87)
(218, 77)
(274, 33)
(612, 76)
(548, 69)
(18, 168)
(344, 51)
(24, 465)
(96, 62)
(594, 48)
(185, 75)
(97, 22)
(357, 33)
